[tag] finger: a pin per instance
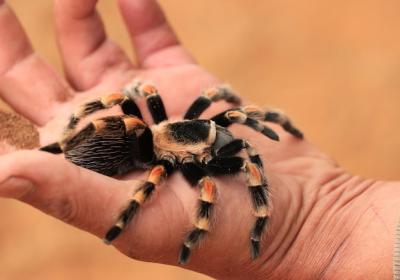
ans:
(87, 52)
(74, 195)
(155, 42)
(27, 83)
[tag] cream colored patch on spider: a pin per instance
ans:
(163, 142)
(254, 176)
(203, 224)
(156, 174)
(254, 112)
(134, 123)
(112, 99)
(99, 125)
(208, 189)
(262, 211)
(139, 196)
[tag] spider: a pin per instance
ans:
(199, 148)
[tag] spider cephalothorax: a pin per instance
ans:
(199, 148)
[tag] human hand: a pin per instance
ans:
(95, 66)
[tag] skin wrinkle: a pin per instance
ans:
(380, 218)
(332, 185)
(363, 187)
(341, 223)
(291, 225)
(310, 208)
(341, 246)
(341, 210)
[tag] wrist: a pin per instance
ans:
(344, 229)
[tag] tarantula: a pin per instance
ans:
(199, 148)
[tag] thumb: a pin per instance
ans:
(74, 195)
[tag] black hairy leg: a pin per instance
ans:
(155, 104)
(237, 116)
(127, 104)
(210, 95)
(224, 165)
(258, 189)
(53, 148)
(252, 114)
(236, 146)
(140, 196)
(192, 172)
(204, 214)
(272, 115)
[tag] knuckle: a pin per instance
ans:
(66, 209)
(63, 208)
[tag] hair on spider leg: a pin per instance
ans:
(199, 148)
(214, 94)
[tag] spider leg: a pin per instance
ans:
(140, 196)
(155, 104)
(258, 114)
(53, 148)
(59, 147)
(126, 103)
(234, 147)
(237, 116)
(258, 189)
(224, 165)
(194, 173)
(273, 115)
(213, 94)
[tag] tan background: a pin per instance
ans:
(334, 66)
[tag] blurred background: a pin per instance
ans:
(333, 66)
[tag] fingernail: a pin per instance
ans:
(15, 187)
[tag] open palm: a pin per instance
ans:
(95, 66)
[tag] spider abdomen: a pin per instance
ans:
(103, 154)
(111, 150)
